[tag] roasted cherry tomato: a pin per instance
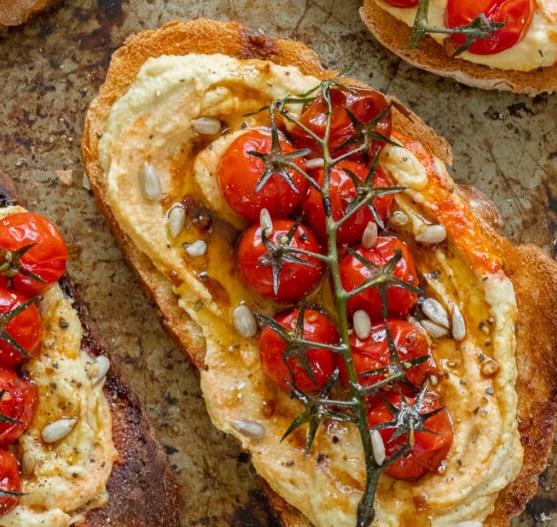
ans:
(365, 104)
(24, 328)
(403, 3)
(269, 269)
(430, 446)
(46, 259)
(373, 353)
(342, 192)
(515, 14)
(9, 482)
(317, 328)
(18, 402)
(240, 172)
(353, 273)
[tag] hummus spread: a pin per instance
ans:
(537, 49)
(71, 474)
(152, 123)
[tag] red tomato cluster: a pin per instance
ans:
(279, 259)
(33, 255)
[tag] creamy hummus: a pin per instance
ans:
(72, 473)
(537, 49)
(152, 123)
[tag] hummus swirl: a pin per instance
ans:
(152, 123)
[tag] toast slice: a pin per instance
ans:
(432, 56)
(528, 268)
(17, 12)
(141, 488)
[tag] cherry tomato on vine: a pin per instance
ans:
(240, 172)
(46, 259)
(9, 481)
(273, 272)
(515, 14)
(317, 327)
(429, 449)
(354, 273)
(373, 353)
(365, 104)
(342, 193)
(18, 402)
(24, 328)
(403, 3)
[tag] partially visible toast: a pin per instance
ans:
(431, 56)
(17, 12)
(528, 268)
(142, 491)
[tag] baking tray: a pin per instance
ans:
(50, 69)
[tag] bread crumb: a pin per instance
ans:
(64, 176)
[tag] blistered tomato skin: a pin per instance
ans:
(19, 402)
(9, 482)
(24, 328)
(256, 262)
(429, 449)
(365, 104)
(46, 259)
(240, 172)
(317, 328)
(373, 353)
(516, 15)
(354, 273)
(342, 193)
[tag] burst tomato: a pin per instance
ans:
(18, 402)
(430, 446)
(322, 362)
(373, 353)
(9, 482)
(354, 273)
(46, 259)
(24, 328)
(365, 104)
(515, 14)
(272, 271)
(342, 192)
(240, 172)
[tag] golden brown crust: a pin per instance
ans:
(432, 57)
(17, 12)
(142, 491)
(522, 264)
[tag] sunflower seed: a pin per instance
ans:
(369, 237)
(316, 162)
(459, 326)
(98, 369)
(266, 222)
(251, 429)
(433, 310)
(432, 234)
(150, 182)
(58, 430)
(176, 219)
(244, 321)
(362, 324)
(28, 463)
(434, 330)
(206, 125)
(399, 219)
(378, 447)
(197, 248)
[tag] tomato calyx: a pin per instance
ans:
(12, 264)
(480, 28)
(7, 317)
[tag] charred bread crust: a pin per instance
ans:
(142, 491)
(528, 268)
(17, 12)
(431, 56)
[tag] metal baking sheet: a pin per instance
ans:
(50, 69)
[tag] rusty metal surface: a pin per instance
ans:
(50, 69)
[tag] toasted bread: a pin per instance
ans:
(528, 268)
(17, 12)
(432, 56)
(141, 488)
